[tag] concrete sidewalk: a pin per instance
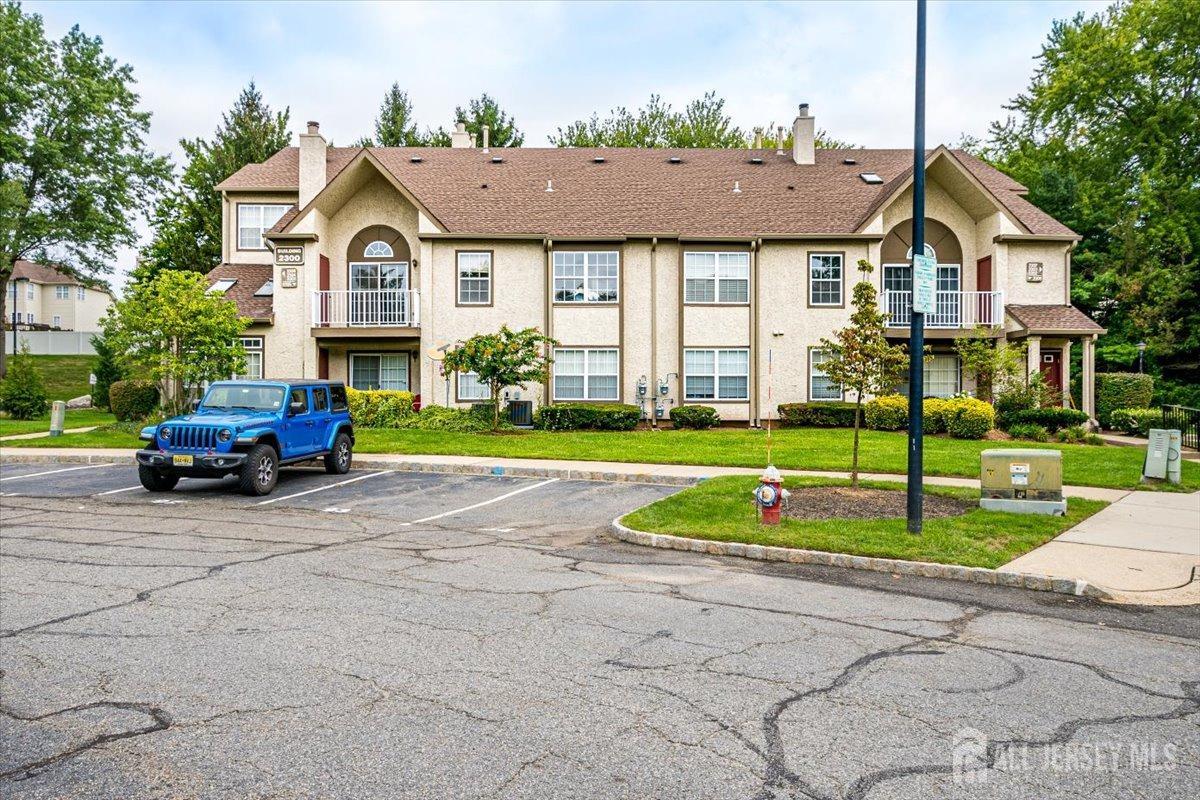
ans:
(1145, 548)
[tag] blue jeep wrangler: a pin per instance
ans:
(250, 429)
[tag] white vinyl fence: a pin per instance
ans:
(53, 343)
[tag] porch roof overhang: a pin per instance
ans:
(1051, 320)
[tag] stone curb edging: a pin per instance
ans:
(924, 569)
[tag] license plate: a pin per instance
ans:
(182, 461)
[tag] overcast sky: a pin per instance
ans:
(551, 63)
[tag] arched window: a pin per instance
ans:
(929, 251)
(378, 249)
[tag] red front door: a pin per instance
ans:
(1052, 369)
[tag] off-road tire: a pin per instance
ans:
(260, 472)
(338, 460)
(155, 480)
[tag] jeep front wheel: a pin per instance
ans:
(155, 480)
(338, 460)
(260, 471)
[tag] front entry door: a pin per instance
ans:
(1052, 372)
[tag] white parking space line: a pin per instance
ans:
(485, 502)
(323, 488)
(126, 489)
(54, 472)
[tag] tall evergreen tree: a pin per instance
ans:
(395, 126)
(75, 169)
(187, 220)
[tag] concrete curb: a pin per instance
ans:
(924, 569)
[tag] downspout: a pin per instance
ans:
(755, 244)
(652, 383)
(548, 311)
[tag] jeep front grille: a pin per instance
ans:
(193, 437)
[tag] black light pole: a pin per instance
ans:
(916, 336)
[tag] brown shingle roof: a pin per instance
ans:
(48, 274)
(1053, 319)
(250, 278)
(638, 191)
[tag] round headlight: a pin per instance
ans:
(164, 432)
(224, 435)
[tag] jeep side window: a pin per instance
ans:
(299, 396)
(320, 400)
(338, 394)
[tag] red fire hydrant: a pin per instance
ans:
(769, 496)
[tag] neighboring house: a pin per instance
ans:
(695, 269)
(42, 297)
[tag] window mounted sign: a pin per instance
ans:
(924, 286)
(1034, 271)
(289, 255)
(288, 277)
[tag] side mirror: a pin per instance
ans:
(195, 405)
(295, 408)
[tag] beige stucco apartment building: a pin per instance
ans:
(667, 276)
(40, 295)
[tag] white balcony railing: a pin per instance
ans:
(375, 308)
(951, 309)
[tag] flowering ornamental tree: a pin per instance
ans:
(505, 358)
(859, 357)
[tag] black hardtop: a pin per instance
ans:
(302, 382)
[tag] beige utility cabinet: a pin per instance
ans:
(1024, 481)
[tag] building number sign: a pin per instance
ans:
(288, 277)
(289, 255)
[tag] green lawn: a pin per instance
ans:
(720, 509)
(794, 448)
(66, 376)
(76, 418)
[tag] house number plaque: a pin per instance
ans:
(1033, 272)
(288, 277)
(289, 255)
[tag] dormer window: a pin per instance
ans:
(378, 249)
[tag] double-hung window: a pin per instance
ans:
(474, 278)
(820, 386)
(379, 371)
(471, 388)
(716, 374)
(586, 277)
(56, 321)
(80, 293)
(253, 345)
(716, 278)
(62, 292)
(255, 219)
(825, 271)
(943, 378)
(586, 373)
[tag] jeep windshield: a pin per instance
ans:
(249, 397)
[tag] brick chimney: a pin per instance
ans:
(312, 163)
(804, 142)
(460, 137)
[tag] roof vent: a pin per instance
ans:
(599, 159)
(791, 188)
(849, 160)
(549, 185)
(756, 160)
(737, 187)
(416, 159)
(497, 160)
(483, 186)
(870, 177)
(675, 160)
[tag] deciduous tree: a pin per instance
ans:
(505, 358)
(480, 111)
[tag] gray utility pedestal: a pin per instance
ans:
(1022, 481)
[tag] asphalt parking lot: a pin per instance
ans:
(387, 634)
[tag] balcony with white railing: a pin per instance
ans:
(952, 310)
(345, 312)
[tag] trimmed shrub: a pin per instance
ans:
(587, 417)
(1052, 419)
(132, 399)
(455, 420)
(23, 393)
(696, 417)
(1014, 400)
(968, 418)
(1121, 390)
(1072, 435)
(833, 414)
(1135, 421)
(933, 415)
(108, 370)
(379, 408)
(887, 413)
(1029, 431)
(1093, 439)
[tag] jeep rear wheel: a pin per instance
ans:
(338, 460)
(260, 472)
(155, 480)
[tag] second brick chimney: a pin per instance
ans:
(312, 163)
(804, 141)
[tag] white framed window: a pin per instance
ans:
(62, 292)
(29, 317)
(56, 321)
(470, 388)
(12, 290)
(474, 278)
(716, 374)
(80, 293)
(379, 371)
(825, 279)
(253, 346)
(29, 291)
(716, 278)
(820, 386)
(378, 250)
(943, 376)
(586, 277)
(255, 219)
(586, 373)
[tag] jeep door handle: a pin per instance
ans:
(310, 423)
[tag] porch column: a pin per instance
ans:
(1088, 388)
(1066, 374)
(1033, 355)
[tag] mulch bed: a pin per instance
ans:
(842, 502)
